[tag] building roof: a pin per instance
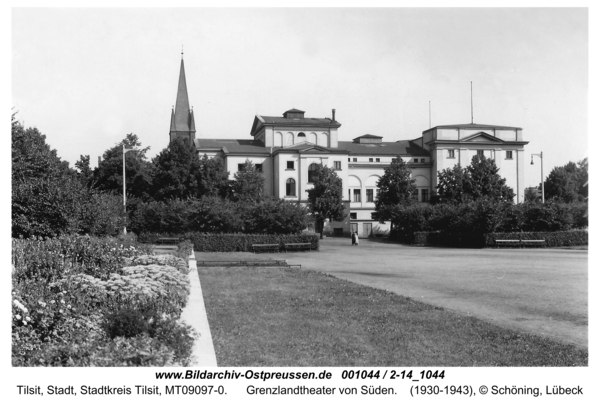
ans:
(232, 145)
(472, 126)
(251, 146)
(294, 110)
(265, 120)
(403, 148)
(182, 104)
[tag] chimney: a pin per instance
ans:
(99, 160)
(333, 114)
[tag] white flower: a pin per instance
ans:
(24, 323)
(52, 302)
(18, 316)
(62, 301)
(68, 307)
(28, 319)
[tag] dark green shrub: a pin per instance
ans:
(127, 322)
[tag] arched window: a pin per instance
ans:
(312, 172)
(278, 141)
(302, 135)
(289, 139)
(290, 188)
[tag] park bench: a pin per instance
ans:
(168, 241)
(297, 246)
(507, 242)
(262, 247)
(533, 242)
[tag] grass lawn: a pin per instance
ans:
(275, 317)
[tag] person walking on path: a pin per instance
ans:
(353, 238)
(356, 234)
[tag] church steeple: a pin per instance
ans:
(182, 118)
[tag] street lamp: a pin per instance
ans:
(125, 150)
(541, 155)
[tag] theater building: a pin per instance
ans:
(286, 147)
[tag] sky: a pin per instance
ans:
(87, 77)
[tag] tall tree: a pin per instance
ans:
(45, 192)
(177, 171)
(248, 183)
(214, 179)
(479, 179)
(395, 188)
(453, 184)
(84, 170)
(108, 176)
(325, 199)
(568, 183)
(486, 182)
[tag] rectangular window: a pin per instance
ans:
(356, 195)
(348, 159)
(377, 159)
(424, 195)
(370, 195)
(422, 160)
(370, 159)
(258, 167)
(290, 164)
(374, 216)
(240, 167)
(509, 154)
(416, 160)
(349, 197)
(450, 153)
(480, 153)
(337, 165)
(353, 215)
(354, 159)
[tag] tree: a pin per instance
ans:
(395, 188)
(177, 171)
(108, 176)
(486, 182)
(214, 179)
(479, 179)
(85, 172)
(568, 183)
(325, 199)
(452, 184)
(248, 183)
(45, 192)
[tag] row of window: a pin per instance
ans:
(480, 153)
(354, 195)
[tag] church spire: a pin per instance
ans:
(182, 117)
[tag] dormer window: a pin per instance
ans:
(302, 135)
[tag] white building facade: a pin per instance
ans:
(284, 147)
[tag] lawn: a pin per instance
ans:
(275, 317)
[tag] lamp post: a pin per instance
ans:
(541, 155)
(125, 150)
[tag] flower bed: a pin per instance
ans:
(80, 301)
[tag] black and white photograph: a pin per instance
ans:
(305, 202)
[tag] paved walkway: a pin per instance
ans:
(194, 314)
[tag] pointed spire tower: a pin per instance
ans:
(182, 117)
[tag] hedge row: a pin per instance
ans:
(238, 242)
(553, 239)
(438, 238)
